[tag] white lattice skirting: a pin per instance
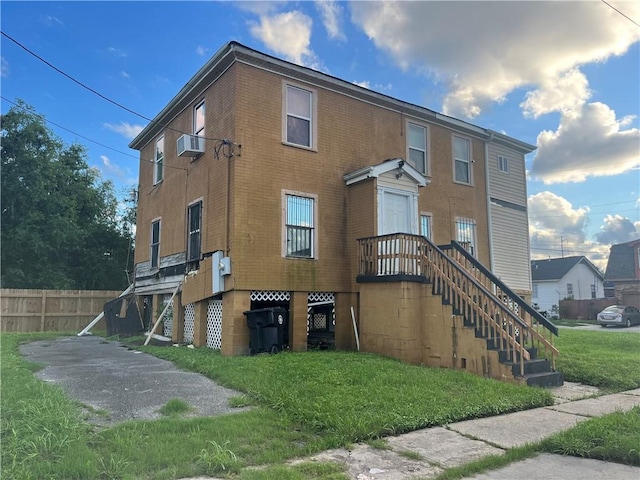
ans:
(214, 324)
(167, 320)
(258, 295)
(189, 322)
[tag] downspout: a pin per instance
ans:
(488, 189)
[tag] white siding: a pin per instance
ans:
(511, 186)
(581, 277)
(510, 233)
(547, 296)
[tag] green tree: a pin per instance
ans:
(60, 222)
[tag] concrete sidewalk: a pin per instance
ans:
(460, 443)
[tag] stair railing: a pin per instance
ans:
(541, 328)
(405, 255)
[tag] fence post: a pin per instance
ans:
(43, 309)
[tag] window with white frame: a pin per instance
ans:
(534, 293)
(417, 147)
(194, 228)
(198, 119)
(466, 234)
(299, 122)
(155, 244)
(462, 160)
(503, 164)
(426, 226)
(299, 226)
(158, 163)
(593, 291)
(569, 289)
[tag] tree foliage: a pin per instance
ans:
(60, 222)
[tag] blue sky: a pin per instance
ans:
(564, 76)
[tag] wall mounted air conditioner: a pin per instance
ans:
(190, 146)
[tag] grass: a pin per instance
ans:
(301, 404)
(614, 438)
(607, 360)
(175, 406)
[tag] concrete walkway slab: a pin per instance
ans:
(367, 463)
(571, 391)
(519, 428)
(443, 447)
(547, 466)
(594, 407)
(125, 383)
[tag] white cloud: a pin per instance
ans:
(331, 14)
(617, 229)
(363, 84)
(202, 51)
(4, 67)
(556, 228)
(287, 34)
(52, 20)
(116, 52)
(125, 74)
(485, 50)
(590, 141)
(562, 94)
(126, 129)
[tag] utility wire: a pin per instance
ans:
(104, 97)
(625, 16)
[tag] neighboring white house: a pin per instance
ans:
(556, 279)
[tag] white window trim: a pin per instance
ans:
(283, 222)
(470, 161)
(468, 220)
(195, 109)
(189, 205)
(314, 115)
(427, 139)
(155, 160)
(503, 164)
(159, 221)
(430, 215)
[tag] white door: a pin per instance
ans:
(395, 214)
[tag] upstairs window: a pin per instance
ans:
(194, 222)
(462, 160)
(198, 120)
(158, 163)
(425, 226)
(534, 294)
(417, 146)
(155, 244)
(593, 291)
(299, 123)
(569, 289)
(299, 226)
(503, 164)
(466, 234)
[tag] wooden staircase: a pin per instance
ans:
(521, 336)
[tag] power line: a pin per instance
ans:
(625, 16)
(104, 97)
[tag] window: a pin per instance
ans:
(503, 164)
(569, 289)
(299, 226)
(593, 291)
(425, 226)
(534, 294)
(159, 160)
(466, 234)
(155, 244)
(194, 222)
(299, 126)
(417, 146)
(462, 160)
(198, 119)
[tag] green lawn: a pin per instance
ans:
(303, 404)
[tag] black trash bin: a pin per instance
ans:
(268, 329)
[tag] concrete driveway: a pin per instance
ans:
(633, 329)
(124, 383)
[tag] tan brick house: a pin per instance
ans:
(292, 172)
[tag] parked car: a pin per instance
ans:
(620, 315)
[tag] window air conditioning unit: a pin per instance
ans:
(190, 145)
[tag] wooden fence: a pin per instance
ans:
(584, 309)
(51, 310)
